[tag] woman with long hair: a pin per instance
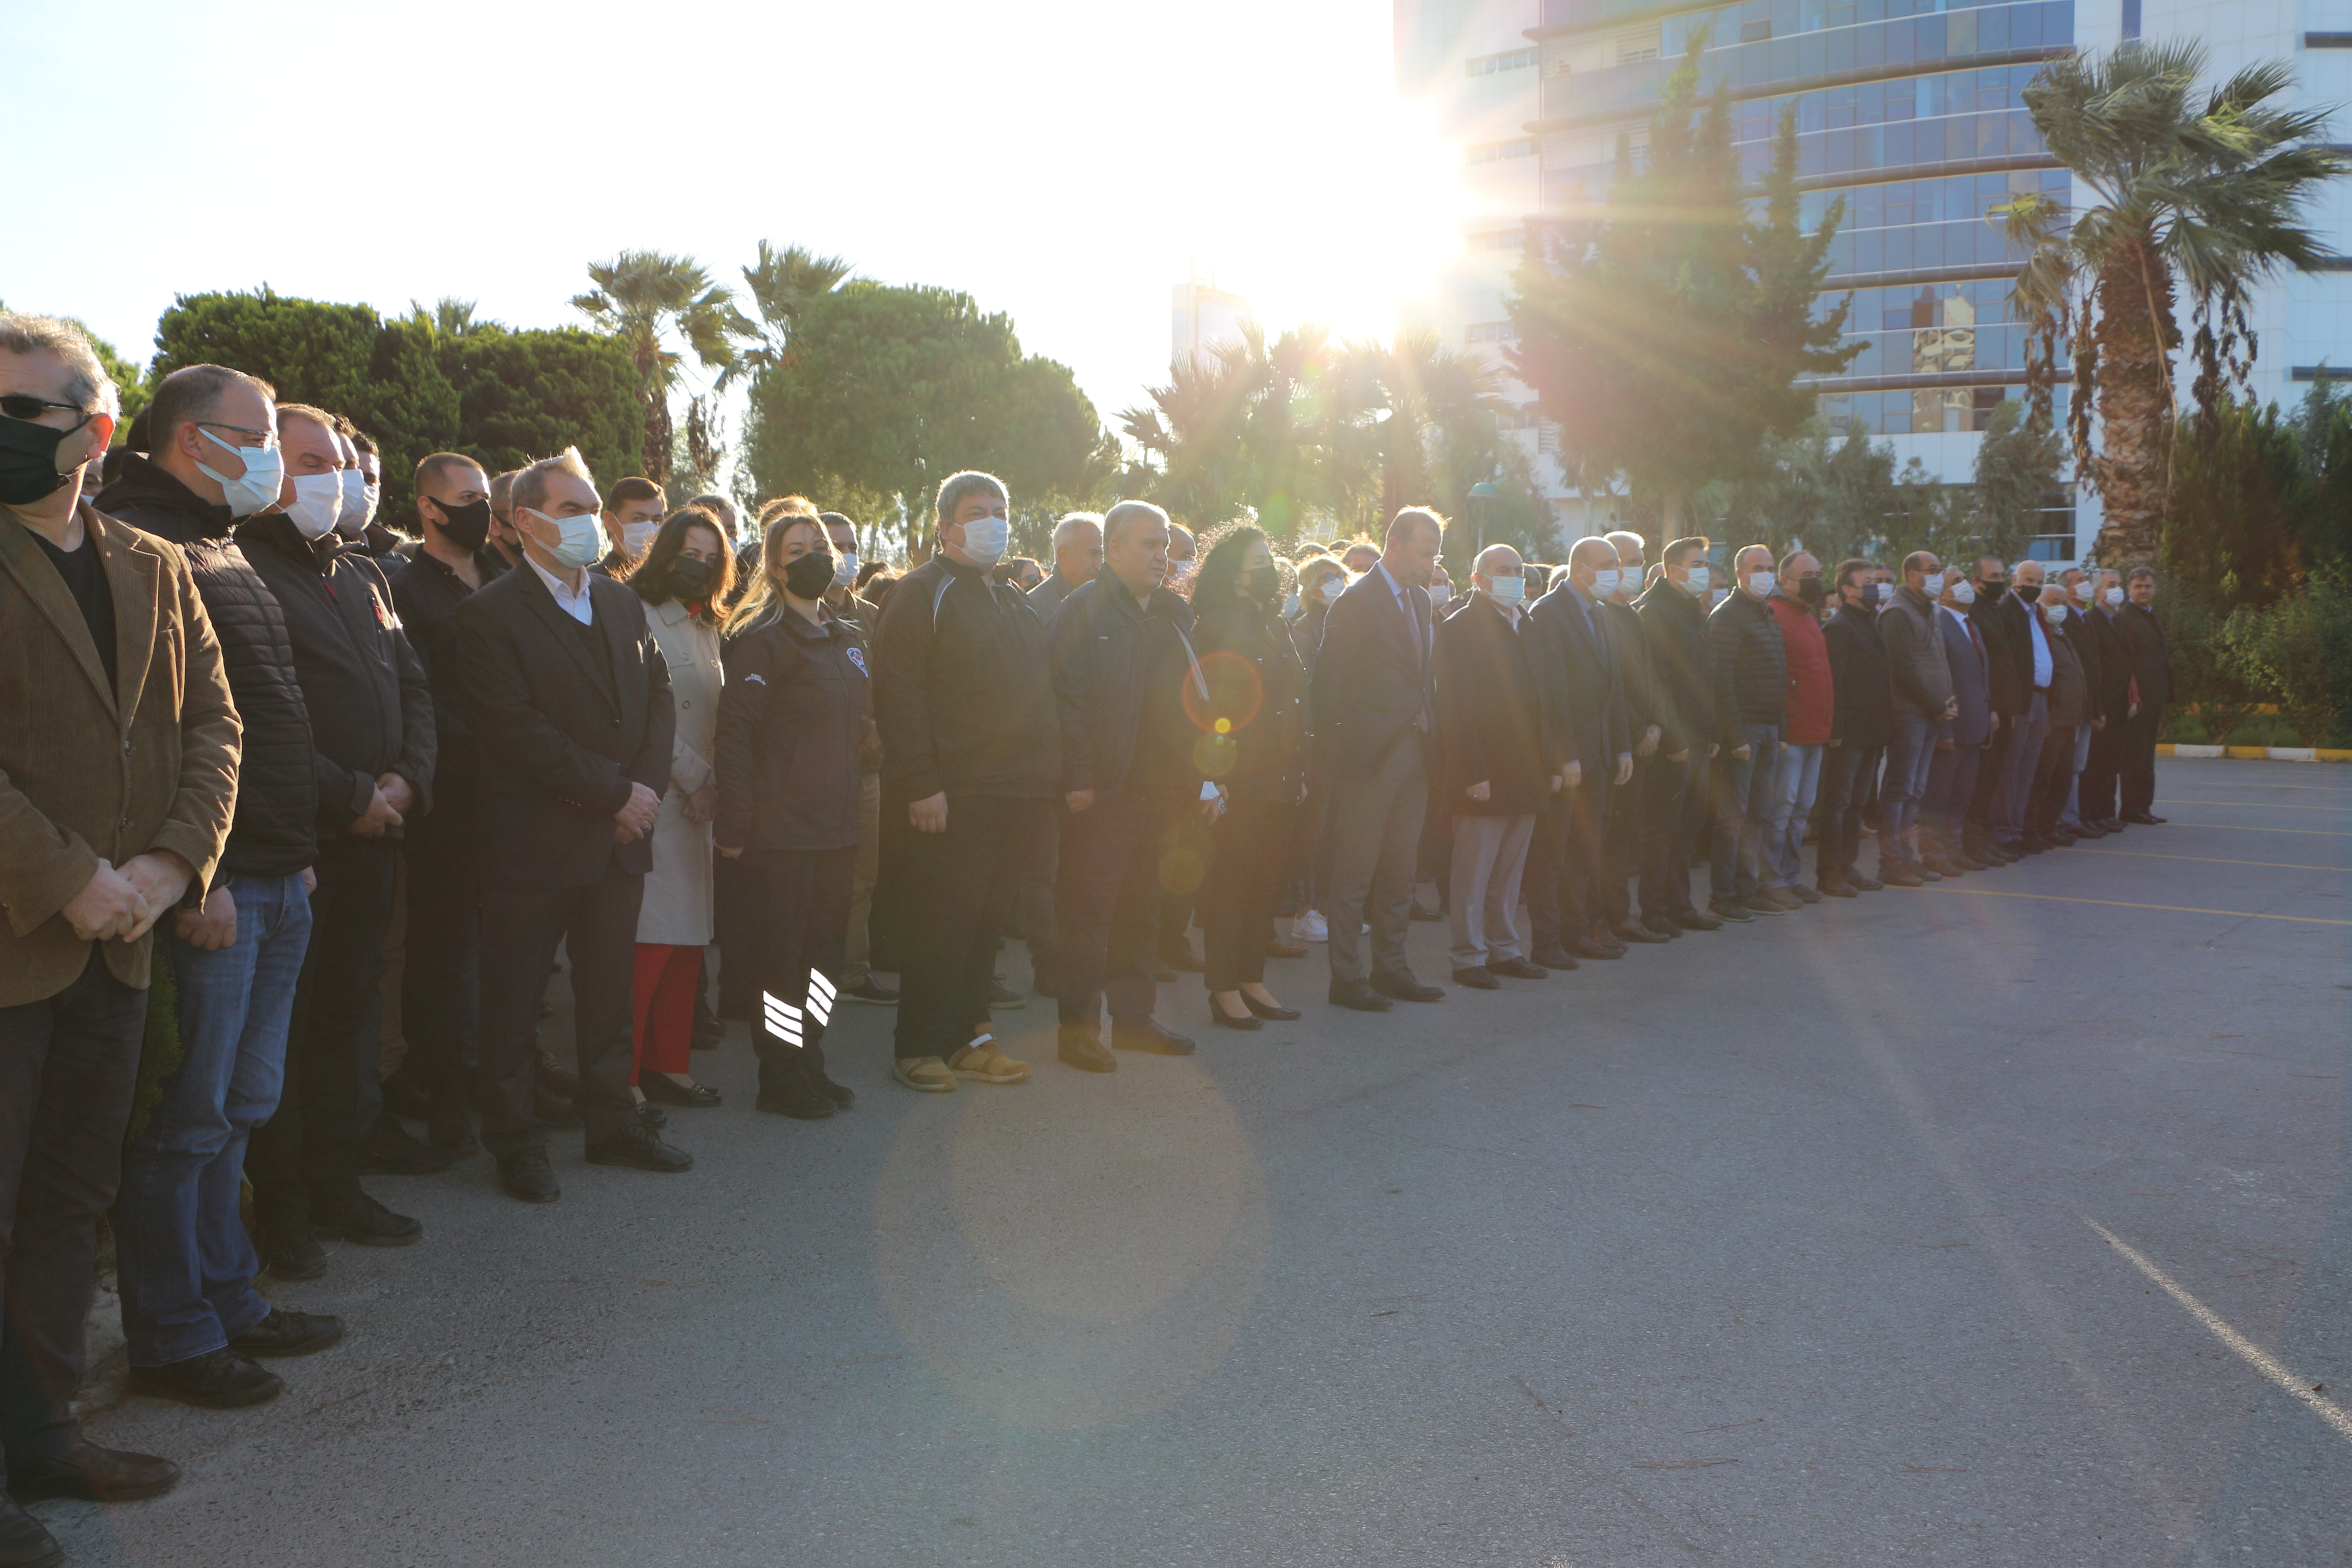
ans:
(684, 577)
(790, 720)
(1322, 580)
(1255, 745)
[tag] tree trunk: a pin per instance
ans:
(657, 454)
(2133, 472)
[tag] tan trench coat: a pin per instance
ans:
(676, 909)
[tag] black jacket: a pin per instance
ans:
(1682, 660)
(1586, 722)
(1645, 693)
(1491, 713)
(1264, 704)
(962, 688)
(2009, 652)
(790, 718)
(275, 832)
(1751, 666)
(1864, 720)
(1374, 674)
(2111, 685)
(561, 743)
(427, 594)
(1119, 673)
(371, 710)
(2145, 651)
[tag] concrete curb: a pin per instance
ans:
(2258, 753)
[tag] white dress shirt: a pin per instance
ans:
(577, 604)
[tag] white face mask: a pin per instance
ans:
(984, 539)
(1931, 583)
(265, 472)
(2114, 597)
(1964, 592)
(1290, 606)
(1438, 593)
(1604, 583)
(1507, 590)
(636, 538)
(1716, 597)
(1761, 584)
(2057, 613)
(318, 498)
(845, 569)
(358, 503)
(582, 542)
(2083, 590)
(1332, 588)
(1697, 580)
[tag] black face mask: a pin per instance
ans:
(1264, 588)
(690, 578)
(468, 526)
(1809, 589)
(1992, 589)
(810, 577)
(28, 461)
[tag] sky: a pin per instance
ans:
(1068, 162)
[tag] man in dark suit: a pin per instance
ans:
(570, 705)
(2096, 793)
(1674, 802)
(1576, 661)
(2001, 628)
(1375, 712)
(2091, 637)
(2150, 658)
(1862, 723)
(1647, 715)
(1964, 737)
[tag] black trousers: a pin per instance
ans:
(1109, 901)
(597, 925)
(1032, 907)
(2053, 775)
(2137, 760)
(798, 903)
(734, 906)
(954, 890)
(69, 1065)
(1984, 798)
(2095, 793)
(306, 1157)
(441, 972)
(1670, 823)
(1248, 852)
(1567, 861)
(1849, 797)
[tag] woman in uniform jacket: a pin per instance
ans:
(686, 576)
(1322, 580)
(1254, 744)
(789, 720)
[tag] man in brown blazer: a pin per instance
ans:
(119, 750)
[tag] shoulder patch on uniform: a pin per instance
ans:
(857, 658)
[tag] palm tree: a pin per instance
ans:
(643, 295)
(782, 284)
(449, 316)
(2204, 198)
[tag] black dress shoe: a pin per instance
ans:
(217, 1380)
(91, 1474)
(404, 1096)
(1359, 995)
(526, 1175)
(652, 1116)
(554, 1076)
(1148, 1035)
(367, 1222)
(293, 1256)
(391, 1150)
(660, 1086)
(1281, 948)
(1663, 926)
(873, 993)
(1081, 1047)
(450, 1129)
(1730, 911)
(1690, 920)
(1551, 958)
(1406, 988)
(1223, 1020)
(1837, 887)
(1477, 978)
(25, 1542)
(1634, 932)
(288, 1334)
(1584, 947)
(802, 1102)
(553, 1109)
(2112, 823)
(2143, 819)
(1517, 969)
(639, 1148)
(1002, 998)
(1271, 1015)
(1862, 884)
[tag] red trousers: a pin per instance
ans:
(664, 1001)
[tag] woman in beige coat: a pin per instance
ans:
(686, 579)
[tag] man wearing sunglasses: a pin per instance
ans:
(118, 763)
(190, 1312)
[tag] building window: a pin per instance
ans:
(1756, 31)
(1631, 48)
(1492, 332)
(1509, 60)
(1490, 151)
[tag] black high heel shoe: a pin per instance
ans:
(1271, 1015)
(660, 1087)
(1218, 1016)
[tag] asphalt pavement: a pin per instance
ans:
(1995, 1223)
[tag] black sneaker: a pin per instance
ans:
(217, 1380)
(293, 1256)
(1002, 998)
(871, 991)
(526, 1175)
(25, 1542)
(288, 1334)
(367, 1222)
(89, 1473)
(640, 1148)
(392, 1151)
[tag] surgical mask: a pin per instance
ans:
(1290, 606)
(984, 539)
(581, 543)
(1716, 597)
(636, 538)
(2114, 597)
(358, 504)
(845, 569)
(1507, 590)
(1331, 590)
(2057, 613)
(265, 472)
(28, 461)
(318, 498)
(1438, 593)
(1697, 580)
(1932, 584)
(1604, 583)
(1760, 582)
(2083, 590)
(469, 526)
(1964, 592)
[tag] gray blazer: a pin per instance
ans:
(1971, 681)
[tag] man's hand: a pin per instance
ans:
(1835, 742)
(727, 854)
(396, 790)
(381, 814)
(1480, 791)
(1079, 800)
(1624, 767)
(1678, 758)
(1712, 748)
(211, 925)
(929, 815)
(108, 905)
(310, 879)
(1741, 754)
(702, 804)
(161, 877)
(1944, 745)
(1649, 742)
(639, 814)
(1996, 723)
(1571, 775)
(2099, 723)
(1951, 707)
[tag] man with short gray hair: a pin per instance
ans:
(1077, 556)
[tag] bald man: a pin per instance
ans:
(1751, 697)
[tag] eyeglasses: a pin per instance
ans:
(26, 406)
(264, 439)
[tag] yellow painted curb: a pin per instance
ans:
(2257, 754)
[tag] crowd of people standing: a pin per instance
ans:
(253, 740)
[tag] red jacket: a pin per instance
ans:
(1812, 699)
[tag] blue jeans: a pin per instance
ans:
(2071, 814)
(2017, 765)
(186, 1263)
(1796, 780)
(1740, 789)
(1908, 759)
